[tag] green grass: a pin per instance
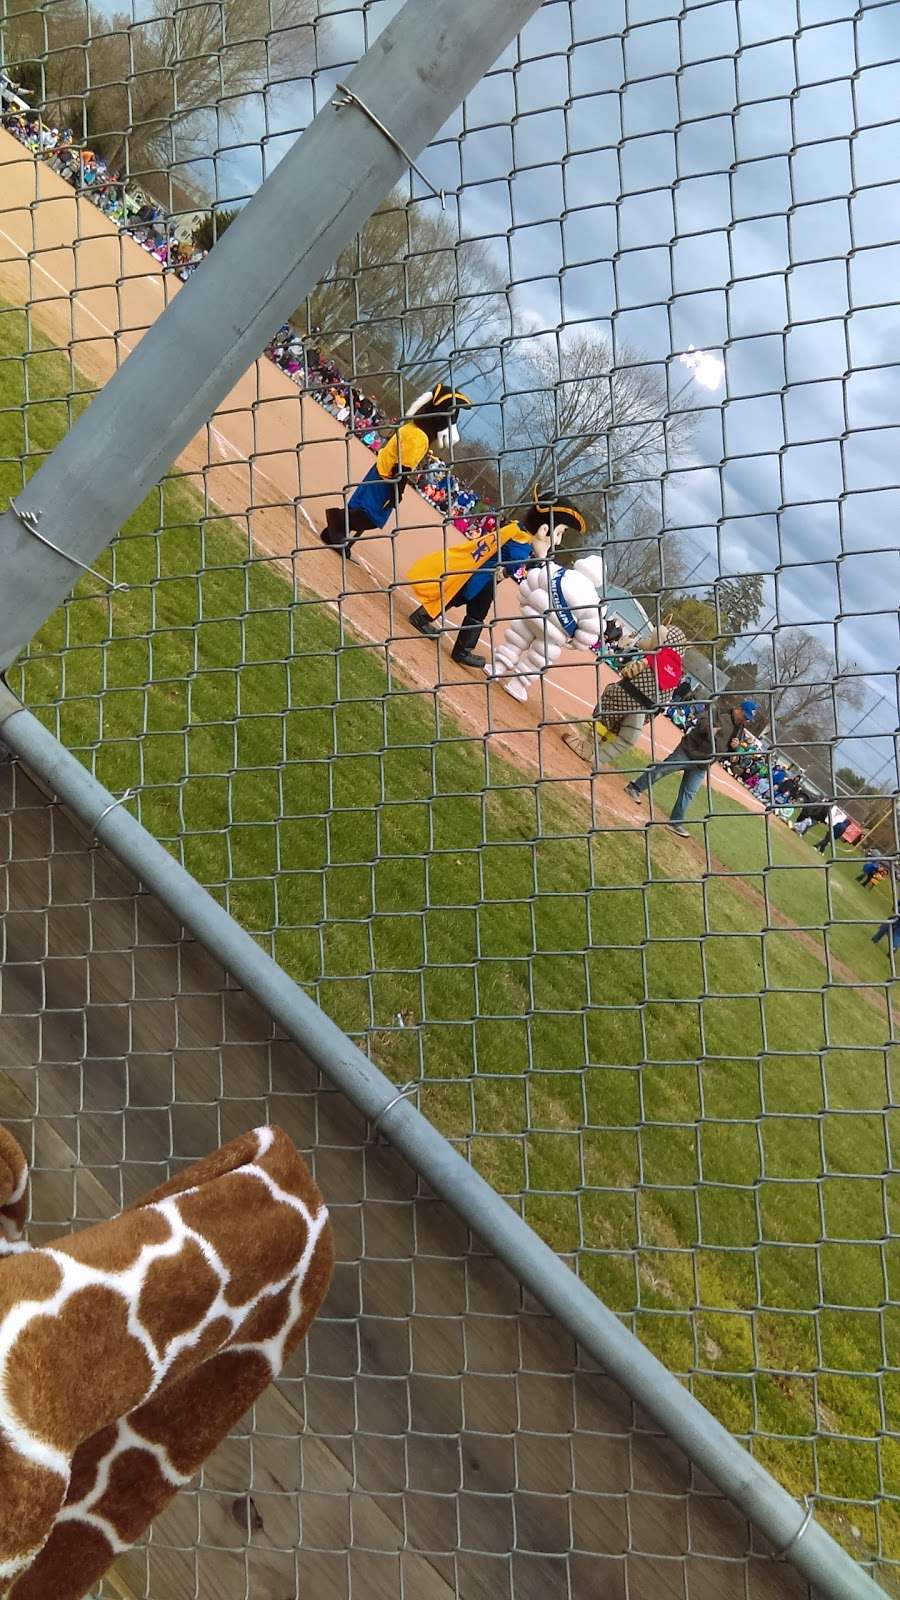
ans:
(787, 875)
(660, 1079)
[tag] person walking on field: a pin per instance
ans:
(711, 736)
(892, 929)
(837, 827)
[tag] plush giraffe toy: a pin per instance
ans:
(128, 1351)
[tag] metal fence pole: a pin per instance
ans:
(790, 1528)
(311, 206)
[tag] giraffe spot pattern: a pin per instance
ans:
(177, 1294)
(114, 1251)
(72, 1370)
(248, 1272)
(128, 1351)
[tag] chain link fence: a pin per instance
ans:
(437, 1434)
(656, 248)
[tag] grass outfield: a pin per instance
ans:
(723, 1172)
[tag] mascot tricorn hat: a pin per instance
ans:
(559, 508)
(442, 402)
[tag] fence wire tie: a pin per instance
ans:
(122, 800)
(784, 1554)
(30, 519)
(351, 99)
(402, 1094)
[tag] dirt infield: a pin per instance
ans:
(273, 460)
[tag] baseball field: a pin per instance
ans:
(673, 1056)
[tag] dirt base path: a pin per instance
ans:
(272, 460)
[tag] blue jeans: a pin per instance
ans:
(693, 773)
(892, 928)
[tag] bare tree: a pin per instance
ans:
(802, 694)
(406, 301)
(585, 423)
(638, 556)
(737, 601)
(46, 50)
(807, 691)
(148, 93)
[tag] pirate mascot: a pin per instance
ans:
(463, 574)
(561, 606)
(645, 687)
(430, 422)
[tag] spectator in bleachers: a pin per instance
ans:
(789, 790)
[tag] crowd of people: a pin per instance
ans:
(135, 212)
(145, 220)
(763, 773)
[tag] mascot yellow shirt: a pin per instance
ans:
(438, 578)
(403, 452)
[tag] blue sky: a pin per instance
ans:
(724, 174)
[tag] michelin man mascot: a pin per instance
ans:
(560, 606)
